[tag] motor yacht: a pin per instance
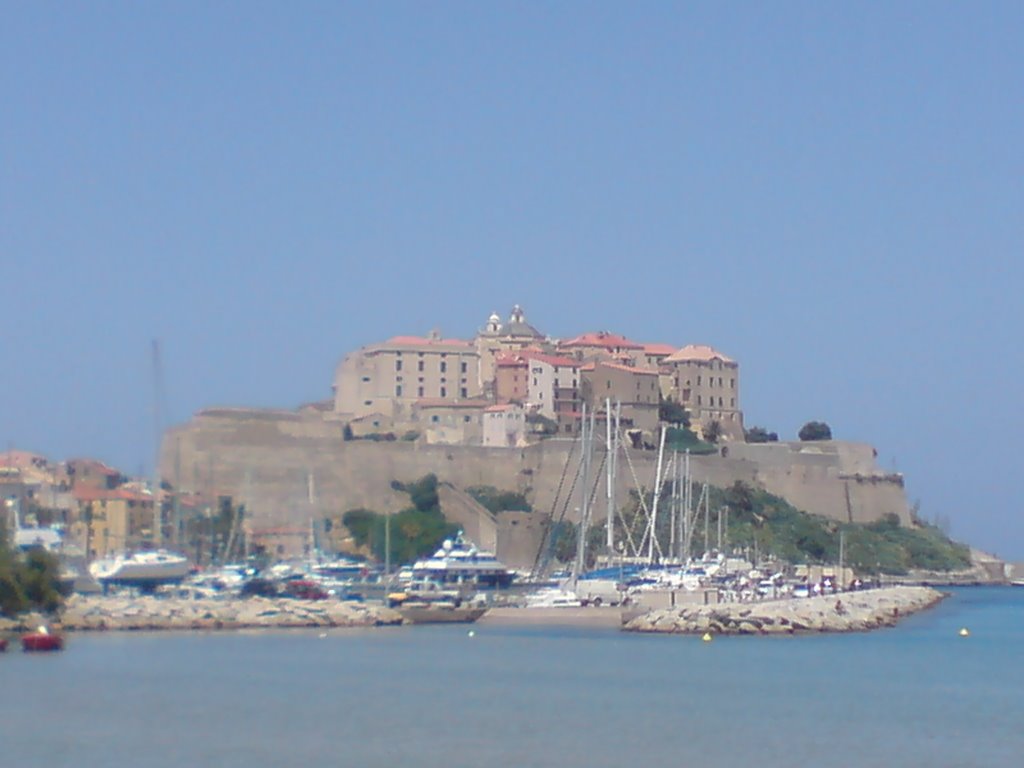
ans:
(459, 561)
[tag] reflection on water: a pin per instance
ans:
(918, 695)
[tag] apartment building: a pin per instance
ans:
(504, 426)
(707, 383)
(635, 388)
(554, 389)
(601, 345)
(388, 378)
(110, 521)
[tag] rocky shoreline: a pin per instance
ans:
(95, 613)
(845, 612)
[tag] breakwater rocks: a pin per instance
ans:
(844, 612)
(152, 613)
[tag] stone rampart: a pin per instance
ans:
(290, 467)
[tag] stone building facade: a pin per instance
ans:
(707, 383)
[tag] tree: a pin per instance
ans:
(29, 580)
(712, 432)
(673, 413)
(815, 430)
(760, 435)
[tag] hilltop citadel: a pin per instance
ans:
(501, 410)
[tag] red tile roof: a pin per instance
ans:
(628, 368)
(554, 360)
(84, 493)
(95, 465)
(437, 402)
(21, 459)
(602, 339)
(697, 352)
(510, 361)
(659, 349)
(501, 408)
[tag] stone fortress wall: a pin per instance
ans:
(289, 467)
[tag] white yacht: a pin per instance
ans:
(144, 570)
(460, 562)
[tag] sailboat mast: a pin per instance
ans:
(610, 484)
(585, 471)
(657, 495)
(158, 517)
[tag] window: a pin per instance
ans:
(444, 392)
(419, 392)
(466, 419)
(434, 419)
(535, 381)
(419, 365)
(698, 381)
(367, 402)
(607, 385)
(398, 365)
(398, 390)
(732, 402)
(464, 392)
(366, 378)
(719, 402)
(699, 402)
(444, 366)
(462, 367)
(732, 383)
(720, 382)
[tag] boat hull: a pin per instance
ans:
(441, 614)
(143, 571)
(38, 642)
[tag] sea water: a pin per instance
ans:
(916, 695)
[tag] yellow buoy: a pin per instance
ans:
(964, 632)
(707, 637)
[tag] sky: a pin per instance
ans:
(832, 194)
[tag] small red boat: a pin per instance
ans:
(41, 640)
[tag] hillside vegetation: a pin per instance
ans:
(416, 531)
(762, 523)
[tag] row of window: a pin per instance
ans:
(463, 367)
(711, 382)
(463, 392)
(721, 403)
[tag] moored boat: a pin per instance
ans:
(460, 562)
(441, 613)
(41, 640)
(144, 570)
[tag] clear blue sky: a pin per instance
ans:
(831, 193)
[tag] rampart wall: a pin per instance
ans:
(288, 467)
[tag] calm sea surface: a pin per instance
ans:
(918, 695)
